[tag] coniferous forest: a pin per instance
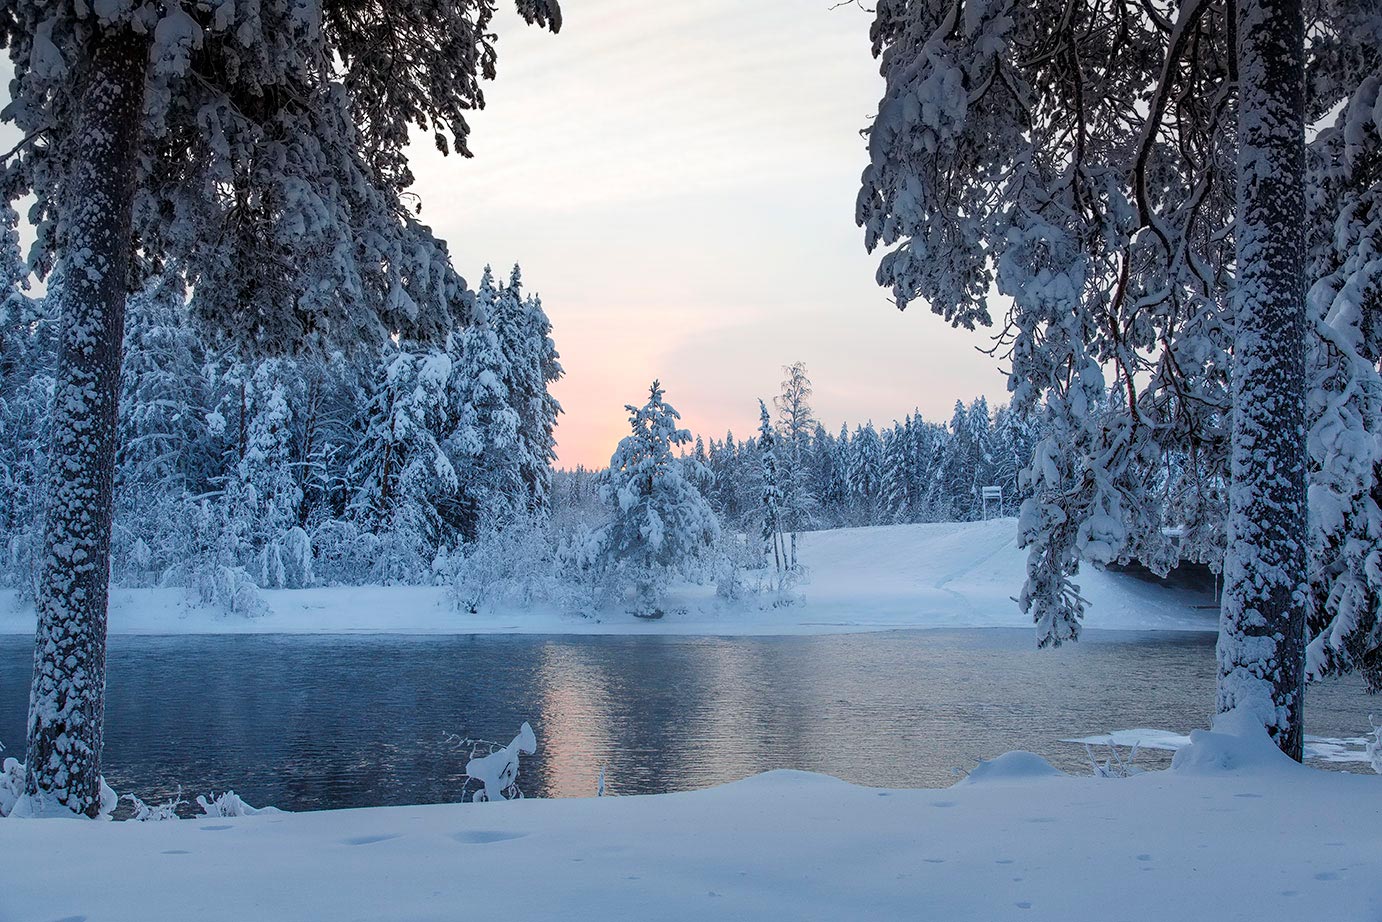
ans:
(287, 506)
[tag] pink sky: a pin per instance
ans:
(678, 182)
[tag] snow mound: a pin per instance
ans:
(1018, 765)
(785, 778)
(1238, 742)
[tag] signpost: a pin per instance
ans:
(994, 494)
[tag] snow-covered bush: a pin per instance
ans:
(231, 589)
(342, 551)
(1116, 765)
(154, 813)
(229, 804)
(496, 770)
(514, 566)
(1374, 748)
(286, 561)
(11, 784)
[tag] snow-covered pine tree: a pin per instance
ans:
(401, 470)
(724, 495)
(1081, 158)
(660, 523)
(960, 472)
(26, 391)
(524, 335)
(865, 474)
(167, 449)
(897, 475)
(1345, 412)
(164, 395)
(483, 441)
(770, 492)
(263, 147)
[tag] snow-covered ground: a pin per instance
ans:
(1233, 831)
(861, 579)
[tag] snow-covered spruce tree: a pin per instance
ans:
(1084, 158)
(168, 451)
(525, 338)
(865, 474)
(262, 147)
(660, 523)
(483, 426)
(401, 470)
(26, 389)
(771, 497)
(1345, 411)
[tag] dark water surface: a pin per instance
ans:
(304, 722)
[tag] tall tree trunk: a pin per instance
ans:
(67, 700)
(1262, 625)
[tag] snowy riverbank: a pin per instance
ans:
(1233, 832)
(861, 579)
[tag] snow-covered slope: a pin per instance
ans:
(1234, 832)
(860, 579)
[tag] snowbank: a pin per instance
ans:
(861, 579)
(1229, 834)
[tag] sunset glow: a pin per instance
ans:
(695, 223)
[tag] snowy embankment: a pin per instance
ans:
(902, 576)
(1233, 831)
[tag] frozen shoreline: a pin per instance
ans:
(1232, 832)
(949, 575)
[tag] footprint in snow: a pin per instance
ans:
(1003, 861)
(1024, 905)
(934, 860)
(1249, 796)
(943, 803)
(485, 836)
(1326, 875)
(1144, 857)
(71, 919)
(369, 840)
(175, 851)
(213, 828)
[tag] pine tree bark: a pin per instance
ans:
(67, 699)
(1261, 649)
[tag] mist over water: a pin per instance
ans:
(339, 721)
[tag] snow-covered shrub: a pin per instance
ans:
(229, 804)
(402, 554)
(154, 813)
(286, 561)
(1116, 765)
(1374, 748)
(342, 552)
(496, 770)
(733, 562)
(231, 589)
(11, 784)
(514, 566)
(21, 563)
